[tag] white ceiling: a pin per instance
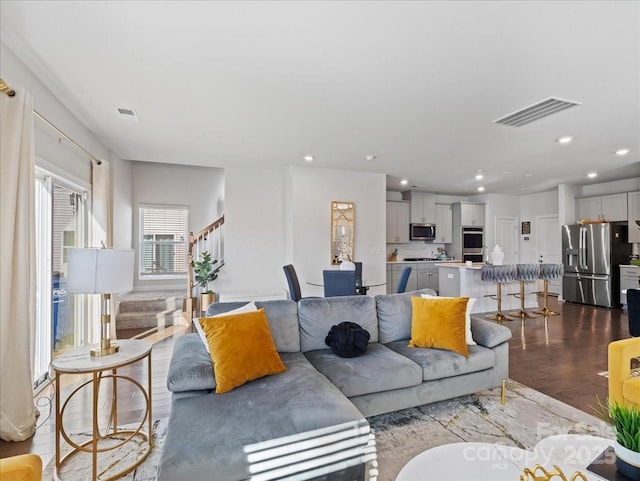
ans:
(417, 84)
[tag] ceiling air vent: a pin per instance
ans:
(129, 114)
(535, 112)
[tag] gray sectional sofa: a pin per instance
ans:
(310, 421)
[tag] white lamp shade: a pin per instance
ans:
(100, 271)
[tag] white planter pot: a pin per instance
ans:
(629, 456)
(627, 462)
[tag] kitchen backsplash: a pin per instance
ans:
(415, 249)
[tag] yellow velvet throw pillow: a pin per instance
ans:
(439, 323)
(242, 349)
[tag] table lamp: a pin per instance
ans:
(104, 272)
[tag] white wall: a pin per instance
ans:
(532, 205)
(313, 191)
(497, 205)
(254, 230)
(628, 185)
(275, 217)
(201, 189)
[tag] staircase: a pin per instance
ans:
(147, 312)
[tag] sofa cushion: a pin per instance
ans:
(190, 368)
(318, 314)
(467, 317)
(439, 322)
(241, 348)
(209, 436)
(249, 307)
(439, 364)
(394, 315)
(379, 369)
(282, 316)
(489, 334)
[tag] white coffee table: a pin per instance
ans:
(494, 462)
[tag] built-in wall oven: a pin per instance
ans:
(472, 244)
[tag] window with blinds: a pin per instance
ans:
(163, 240)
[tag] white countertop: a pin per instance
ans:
(420, 262)
(629, 265)
(461, 265)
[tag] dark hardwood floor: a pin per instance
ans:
(563, 362)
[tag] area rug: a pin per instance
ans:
(78, 467)
(527, 417)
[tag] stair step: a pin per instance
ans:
(156, 305)
(137, 320)
(149, 309)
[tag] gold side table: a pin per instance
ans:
(79, 361)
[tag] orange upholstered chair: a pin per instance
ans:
(24, 467)
(623, 388)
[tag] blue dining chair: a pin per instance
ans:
(294, 285)
(404, 278)
(339, 283)
(359, 288)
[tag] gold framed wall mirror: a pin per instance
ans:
(342, 231)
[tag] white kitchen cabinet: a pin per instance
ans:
(423, 207)
(468, 214)
(629, 279)
(394, 271)
(633, 209)
(427, 276)
(444, 224)
(397, 222)
(611, 207)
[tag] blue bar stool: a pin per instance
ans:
(525, 273)
(548, 272)
(500, 275)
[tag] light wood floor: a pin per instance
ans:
(563, 364)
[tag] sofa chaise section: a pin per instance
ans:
(293, 422)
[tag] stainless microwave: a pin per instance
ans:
(422, 231)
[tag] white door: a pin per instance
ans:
(507, 238)
(549, 245)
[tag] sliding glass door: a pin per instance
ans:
(60, 224)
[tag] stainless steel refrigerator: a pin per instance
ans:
(592, 256)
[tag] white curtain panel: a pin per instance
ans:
(17, 265)
(100, 204)
(99, 235)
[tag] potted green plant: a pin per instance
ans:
(204, 273)
(626, 420)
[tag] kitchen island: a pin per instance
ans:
(456, 279)
(424, 274)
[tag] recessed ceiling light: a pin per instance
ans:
(370, 157)
(592, 175)
(480, 189)
(308, 158)
(404, 181)
(528, 174)
(622, 151)
(504, 172)
(479, 176)
(565, 140)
